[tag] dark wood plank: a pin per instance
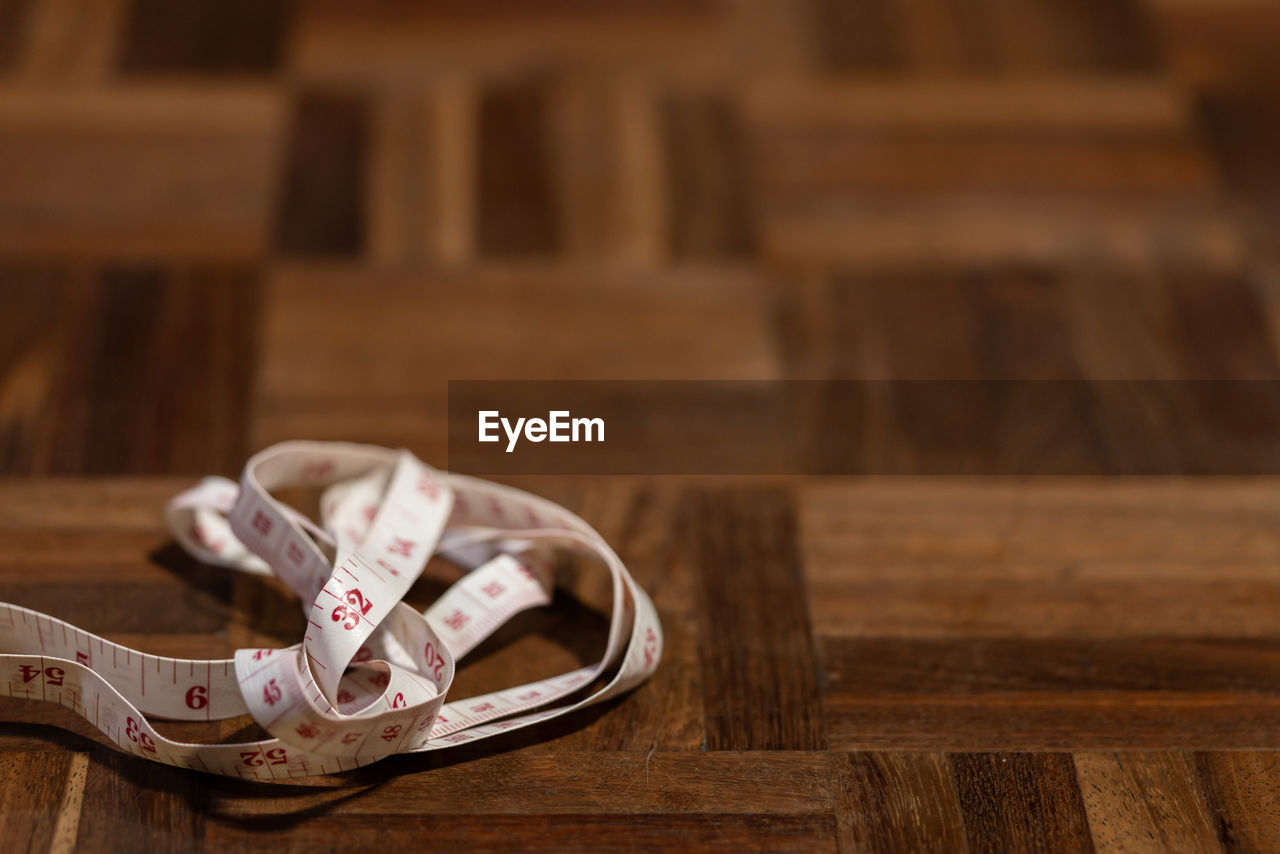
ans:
(885, 175)
(1003, 323)
(321, 209)
(125, 373)
(856, 36)
(768, 783)
(32, 349)
(391, 39)
(971, 666)
(209, 37)
(601, 832)
(1241, 128)
(108, 608)
(106, 357)
(34, 790)
(488, 323)
(517, 206)
(146, 807)
(708, 202)
(760, 679)
(942, 558)
(1019, 693)
(1221, 330)
(1095, 35)
(1024, 626)
(897, 802)
(1044, 35)
(1223, 48)
(13, 19)
(1020, 802)
(815, 164)
(1054, 721)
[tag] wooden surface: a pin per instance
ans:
(223, 224)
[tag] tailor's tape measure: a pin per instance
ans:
(371, 676)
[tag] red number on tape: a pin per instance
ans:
(428, 487)
(137, 736)
(271, 693)
(650, 646)
(358, 608)
(197, 697)
(434, 661)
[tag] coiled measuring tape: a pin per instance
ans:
(371, 676)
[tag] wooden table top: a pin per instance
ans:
(882, 664)
(225, 223)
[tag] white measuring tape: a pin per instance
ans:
(371, 676)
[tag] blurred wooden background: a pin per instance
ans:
(229, 222)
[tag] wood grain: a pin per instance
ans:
(12, 22)
(224, 224)
(517, 205)
(760, 690)
(127, 349)
(725, 782)
(516, 833)
(1037, 36)
(32, 795)
(1242, 794)
(208, 38)
(707, 191)
(137, 171)
(321, 209)
(897, 801)
(1021, 802)
(1146, 801)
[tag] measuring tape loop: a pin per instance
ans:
(371, 676)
